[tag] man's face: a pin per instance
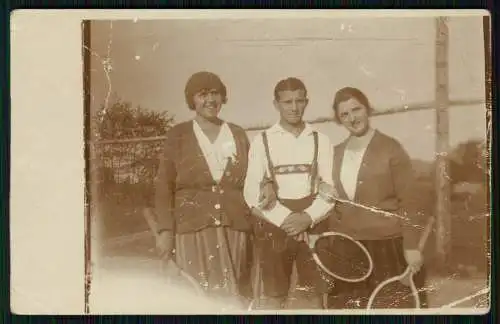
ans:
(291, 105)
(354, 116)
(208, 103)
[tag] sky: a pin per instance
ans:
(390, 59)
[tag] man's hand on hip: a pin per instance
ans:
(267, 197)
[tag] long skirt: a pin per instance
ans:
(219, 258)
(388, 261)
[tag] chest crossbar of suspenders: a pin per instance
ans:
(314, 166)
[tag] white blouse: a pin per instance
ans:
(218, 153)
(353, 156)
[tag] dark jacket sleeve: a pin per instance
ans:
(404, 184)
(165, 185)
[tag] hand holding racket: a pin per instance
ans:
(296, 223)
(164, 241)
(168, 267)
(406, 276)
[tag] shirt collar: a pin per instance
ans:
(223, 135)
(277, 128)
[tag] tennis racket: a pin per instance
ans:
(407, 276)
(340, 256)
(337, 254)
(174, 274)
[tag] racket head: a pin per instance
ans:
(342, 257)
(393, 293)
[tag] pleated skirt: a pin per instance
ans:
(218, 258)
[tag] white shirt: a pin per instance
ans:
(353, 156)
(288, 150)
(218, 153)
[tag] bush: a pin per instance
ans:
(127, 167)
(469, 206)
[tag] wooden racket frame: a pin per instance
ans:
(313, 240)
(408, 273)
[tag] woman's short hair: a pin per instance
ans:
(289, 84)
(203, 81)
(346, 94)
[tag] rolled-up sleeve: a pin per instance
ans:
(256, 172)
(165, 186)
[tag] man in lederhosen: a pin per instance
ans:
(293, 156)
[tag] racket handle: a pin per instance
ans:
(408, 272)
(426, 233)
(414, 292)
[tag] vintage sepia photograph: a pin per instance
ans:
(333, 163)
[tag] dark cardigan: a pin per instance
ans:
(187, 199)
(385, 181)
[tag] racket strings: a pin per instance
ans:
(343, 257)
(394, 295)
(346, 266)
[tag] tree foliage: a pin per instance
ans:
(128, 167)
(121, 120)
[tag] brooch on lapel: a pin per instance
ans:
(229, 152)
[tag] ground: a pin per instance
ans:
(136, 254)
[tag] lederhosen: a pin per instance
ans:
(278, 251)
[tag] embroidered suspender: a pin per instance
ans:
(313, 171)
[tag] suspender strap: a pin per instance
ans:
(270, 163)
(314, 168)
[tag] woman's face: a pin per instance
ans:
(208, 103)
(354, 116)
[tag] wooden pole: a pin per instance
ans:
(488, 147)
(443, 234)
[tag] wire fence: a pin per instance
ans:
(135, 160)
(125, 176)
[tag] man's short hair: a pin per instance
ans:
(289, 84)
